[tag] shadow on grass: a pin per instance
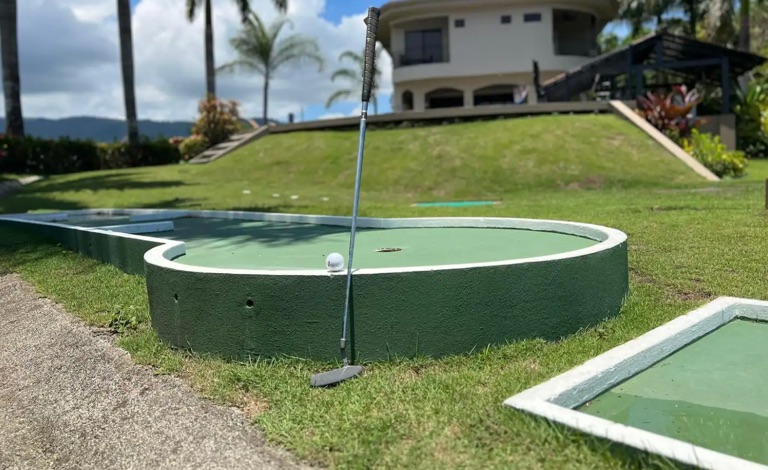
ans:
(116, 181)
(21, 202)
(22, 248)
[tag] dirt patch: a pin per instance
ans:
(638, 277)
(253, 406)
(590, 182)
(690, 296)
(674, 208)
(709, 189)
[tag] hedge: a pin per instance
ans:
(33, 155)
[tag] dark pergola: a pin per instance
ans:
(674, 55)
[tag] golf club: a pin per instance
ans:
(348, 371)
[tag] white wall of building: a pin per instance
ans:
(486, 46)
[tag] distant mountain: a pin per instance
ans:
(101, 129)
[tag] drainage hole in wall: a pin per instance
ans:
(249, 303)
(176, 298)
(388, 250)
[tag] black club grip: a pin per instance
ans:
(370, 51)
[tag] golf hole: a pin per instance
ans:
(388, 250)
(249, 303)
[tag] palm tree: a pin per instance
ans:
(744, 23)
(244, 5)
(720, 21)
(638, 12)
(126, 62)
(355, 77)
(260, 51)
(9, 42)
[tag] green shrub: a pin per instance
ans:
(751, 110)
(192, 146)
(218, 120)
(32, 155)
(710, 151)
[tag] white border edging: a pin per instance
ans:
(663, 140)
(556, 398)
(168, 250)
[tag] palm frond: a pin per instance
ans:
(338, 95)
(245, 8)
(235, 65)
(349, 74)
(259, 49)
(192, 6)
(353, 56)
(297, 48)
(280, 5)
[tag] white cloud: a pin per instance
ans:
(69, 56)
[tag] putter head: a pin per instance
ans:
(332, 377)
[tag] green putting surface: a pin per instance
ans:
(712, 393)
(270, 245)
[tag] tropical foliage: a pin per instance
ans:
(217, 121)
(353, 75)
(193, 6)
(710, 151)
(671, 113)
(260, 50)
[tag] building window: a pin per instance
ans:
(506, 19)
(459, 23)
(532, 17)
(423, 47)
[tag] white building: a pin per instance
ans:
(449, 53)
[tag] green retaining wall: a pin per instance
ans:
(430, 312)
(126, 253)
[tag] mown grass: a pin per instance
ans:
(689, 241)
(467, 161)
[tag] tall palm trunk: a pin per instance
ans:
(210, 73)
(126, 62)
(692, 17)
(266, 96)
(9, 42)
(744, 24)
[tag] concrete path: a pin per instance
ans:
(69, 399)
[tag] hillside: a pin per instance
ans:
(101, 129)
(482, 160)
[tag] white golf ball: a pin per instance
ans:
(334, 262)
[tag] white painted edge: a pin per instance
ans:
(164, 254)
(663, 140)
(556, 398)
(149, 227)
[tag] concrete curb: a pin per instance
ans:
(9, 187)
(625, 111)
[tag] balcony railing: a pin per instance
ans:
(404, 60)
(575, 48)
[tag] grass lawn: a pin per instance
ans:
(690, 241)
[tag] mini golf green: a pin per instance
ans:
(241, 284)
(710, 393)
(280, 246)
